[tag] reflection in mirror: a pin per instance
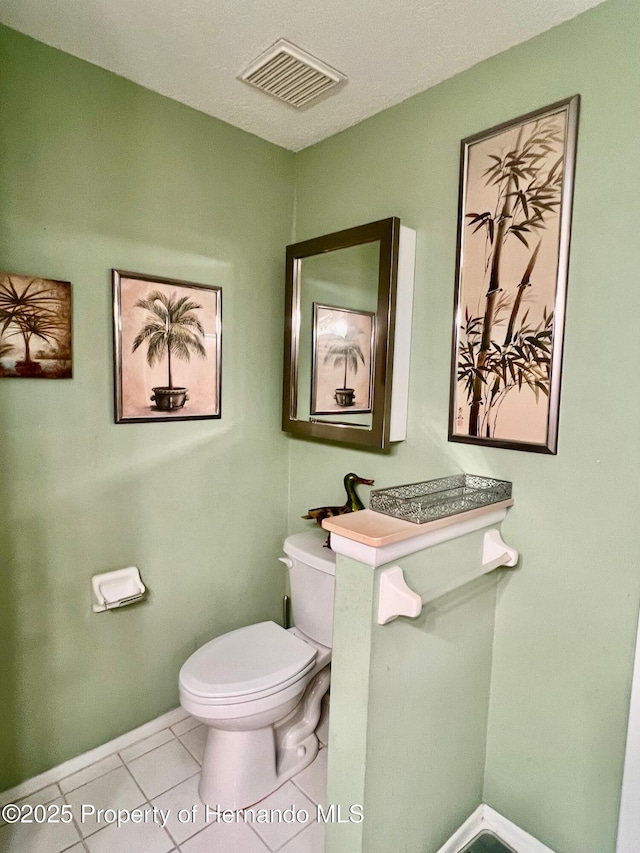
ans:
(338, 301)
(339, 335)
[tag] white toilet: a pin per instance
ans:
(259, 688)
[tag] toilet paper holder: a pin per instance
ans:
(110, 590)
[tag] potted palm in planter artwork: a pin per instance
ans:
(37, 312)
(345, 352)
(171, 329)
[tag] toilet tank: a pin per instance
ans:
(312, 577)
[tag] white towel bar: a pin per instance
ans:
(398, 599)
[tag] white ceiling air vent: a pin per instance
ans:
(291, 74)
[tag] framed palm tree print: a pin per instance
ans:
(167, 349)
(516, 187)
(35, 327)
(342, 359)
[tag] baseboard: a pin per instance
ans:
(484, 817)
(511, 834)
(469, 829)
(49, 777)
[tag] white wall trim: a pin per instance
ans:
(50, 777)
(511, 834)
(629, 822)
(484, 817)
(468, 831)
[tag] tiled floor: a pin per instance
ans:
(159, 777)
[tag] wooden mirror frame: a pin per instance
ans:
(387, 233)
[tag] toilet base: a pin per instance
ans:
(240, 768)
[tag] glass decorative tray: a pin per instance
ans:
(433, 499)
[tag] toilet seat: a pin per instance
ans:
(246, 664)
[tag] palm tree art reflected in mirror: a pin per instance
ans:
(167, 349)
(342, 360)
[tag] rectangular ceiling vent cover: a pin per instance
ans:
(291, 75)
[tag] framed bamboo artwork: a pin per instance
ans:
(35, 327)
(167, 349)
(516, 188)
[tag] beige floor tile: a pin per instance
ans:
(40, 798)
(93, 771)
(185, 725)
(313, 779)
(225, 838)
(194, 741)
(163, 768)
(38, 837)
(115, 790)
(146, 745)
(181, 800)
(290, 811)
(310, 840)
(131, 838)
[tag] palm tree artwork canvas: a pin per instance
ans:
(342, 360)
(167, 346)
(513, 249)
(35, 327)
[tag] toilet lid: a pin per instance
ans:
(247, 661)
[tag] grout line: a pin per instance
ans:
(168, 831)
(99, 828)
(92, 756)
(293, 781)
(149, 751)
(162, 793)
(195, 725)
(75, 822)
(186, 779)
(284, 843)
(261, 840)
(195, 757)
(135, 782)
(205, 827)
(104, 758)
(34, 794)
(155, 748)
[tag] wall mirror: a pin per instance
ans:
(341, 335)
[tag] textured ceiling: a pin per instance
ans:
(193, 50)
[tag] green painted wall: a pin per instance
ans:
(95, 173)
(409, 704)
(566, 619)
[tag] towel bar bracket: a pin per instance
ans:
(396, 598)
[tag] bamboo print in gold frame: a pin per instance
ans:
(516, 186)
